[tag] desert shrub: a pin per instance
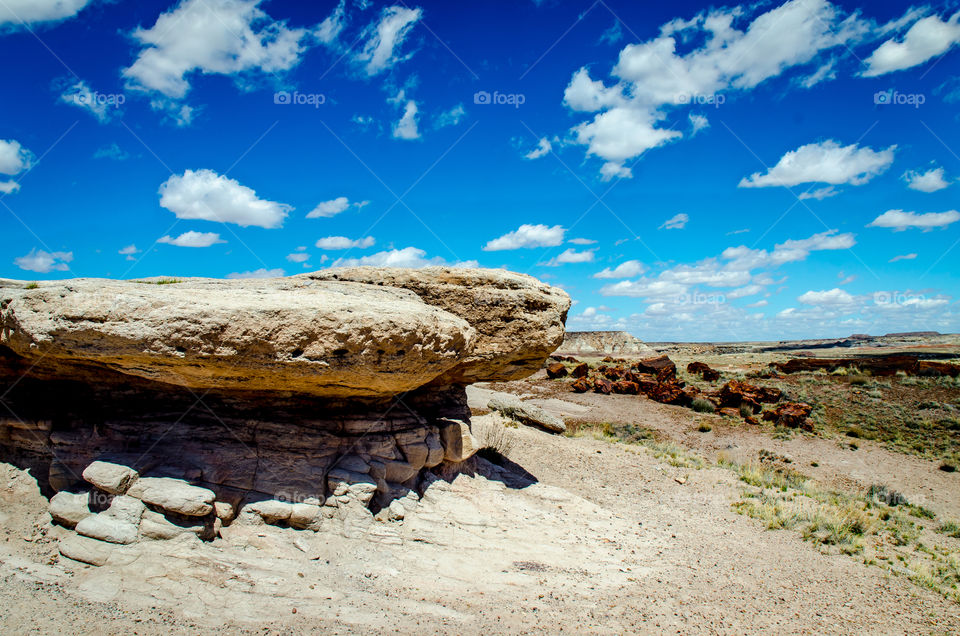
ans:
(948, 467)
(705, 428)
(879, 492)
(31, 286)
(839, 371)
(745, 411)
(703, 405)
(859, 380)
(950, 528)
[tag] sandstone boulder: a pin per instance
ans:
(174, 495)
(110, 477)
(657, 366)
(458, 442)
(519, 321)
(68, 509)
(704, 371)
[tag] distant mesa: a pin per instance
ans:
(603, 343)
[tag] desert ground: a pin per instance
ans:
(642, 517)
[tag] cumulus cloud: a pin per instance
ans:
(298, 257)
(898, 220)
(384, 39)
(129, 251)
(26, 12)
(903, 257)
(334, 207)
(824, 162)
(677, 222)
(527, 236)
(44, 262)
(406, 257)
(542, 149)
(211, 37)
(742, 269)
(192, 239)
(571, 255)
(14, 159)
(627, 269)
(205, 195)
(833, 296)
(930, 181)
(258, 273)
(653, 76)
(926, 39)
(407, 127)
(344, 243)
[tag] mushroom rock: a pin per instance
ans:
(319, 395)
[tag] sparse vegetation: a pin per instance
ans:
(31, 286)
(870, 524)
(703, 405)
(704, 428)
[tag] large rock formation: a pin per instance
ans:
(157, 410)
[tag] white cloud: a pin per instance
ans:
(298, 257)
(406, 257)
(903, 257)
(205, 195)
(192, 239)
(102, 106)
(825, 73)
(43, 262)
(571, 255)
(258, 273)
(677, 222)
(929, 181)
(926, 39)
(834, 296)
(406, 128)
(698, 122)
(819, 194)
(384, 39)
(899, 220)
(25, 12)
(542, 149)
(223, 37)
(825, 162)
(344, 243)
(582, 241)
(627, 269)
(527, 236)
(651, 76)
(129, 251)
(334, 207)
(14, 159)
(451, 117)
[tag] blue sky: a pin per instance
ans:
(685, 171)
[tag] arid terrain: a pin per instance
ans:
(640, 517)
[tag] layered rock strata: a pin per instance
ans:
(153, 409)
